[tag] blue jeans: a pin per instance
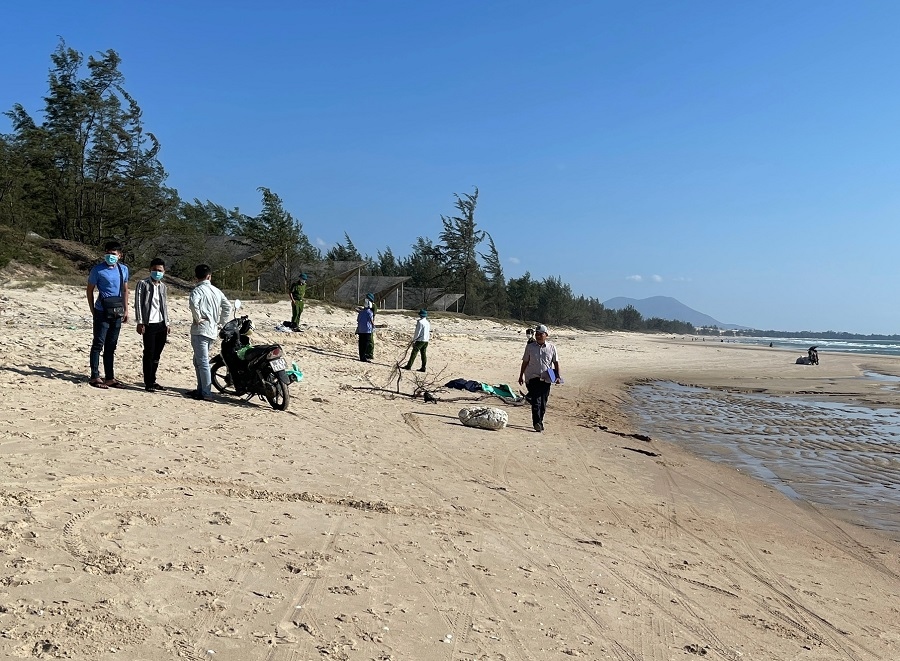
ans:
(106, 337)
(201, 345)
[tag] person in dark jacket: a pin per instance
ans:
(151, 312)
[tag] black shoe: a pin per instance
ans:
(197, 395)
(538, 427)
(405, 367)
(421, 369)
(148, 388)
(156, 386)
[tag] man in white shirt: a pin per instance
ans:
(420, 341)
(151, 312)
(210, 309)
(540, 369)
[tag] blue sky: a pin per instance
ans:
(741, 157)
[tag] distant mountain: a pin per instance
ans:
(666, 307)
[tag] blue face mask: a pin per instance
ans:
(111, 259)
(156, 275)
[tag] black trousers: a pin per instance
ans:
(538, 393)
(364, 340)
(154, 340)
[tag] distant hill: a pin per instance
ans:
(666, 307)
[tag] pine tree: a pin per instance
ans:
(425, 268)
(386, 263)
(92, 169)
(460, 239)
(495, 298)
(344, 252)
(280, 239)
(523, 295)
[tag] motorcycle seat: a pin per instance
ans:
(252, 353)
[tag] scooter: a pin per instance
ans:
(243, 369)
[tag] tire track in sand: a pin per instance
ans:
(799, 616)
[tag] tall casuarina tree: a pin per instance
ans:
(459, 247)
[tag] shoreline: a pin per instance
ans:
(362, 525)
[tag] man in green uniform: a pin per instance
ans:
(298, 293)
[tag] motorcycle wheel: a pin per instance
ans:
(282, 395)
(221, 379)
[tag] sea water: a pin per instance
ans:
(801, 344)
(835, 455)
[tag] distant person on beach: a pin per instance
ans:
(365, 326)
(210, 310)
(420, 341)
(529, 336)
(813, 353)
(109, 311)
(370, 304)
(151, 312)
(298, 297)
(540, 369)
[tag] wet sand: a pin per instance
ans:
(826, 453)
(363, 525)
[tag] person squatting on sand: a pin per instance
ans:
(365, 325)
(210, 310)
(151, 313)
(110, 279)
(421, 336)
(298, 296)
(540, 369)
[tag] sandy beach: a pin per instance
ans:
(361, 525)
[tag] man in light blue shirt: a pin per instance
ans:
(110, 280)
(210, 309)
